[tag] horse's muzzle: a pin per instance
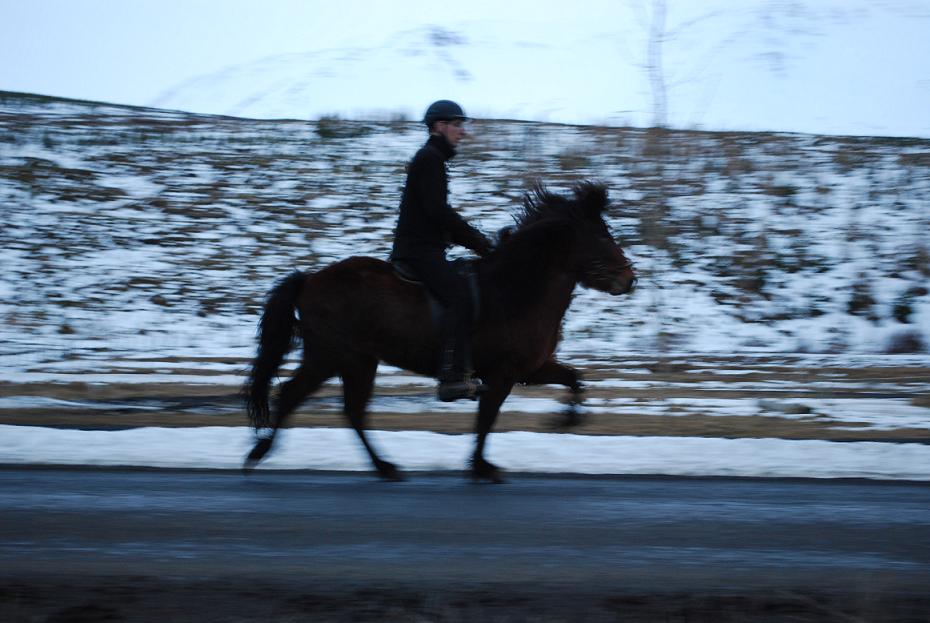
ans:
(621, 287)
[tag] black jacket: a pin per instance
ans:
(427, 223)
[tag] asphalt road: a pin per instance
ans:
(126, 544)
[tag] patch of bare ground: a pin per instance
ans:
(731, 427)
(632, 393)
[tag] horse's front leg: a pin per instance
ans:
(556, 373)
(488, 409)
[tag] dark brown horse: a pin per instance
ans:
(357, 312)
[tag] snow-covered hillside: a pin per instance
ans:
(143, 231)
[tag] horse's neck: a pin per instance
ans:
(554, 301)
(534, 277)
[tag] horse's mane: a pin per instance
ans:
(522, 255)
(588, 200)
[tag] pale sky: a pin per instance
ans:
(856, 66)
(130, 50)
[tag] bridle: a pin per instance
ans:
(600, 268)
(629, 264)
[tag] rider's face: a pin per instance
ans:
(454, 131)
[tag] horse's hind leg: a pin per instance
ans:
(306, 380)
(358, 379)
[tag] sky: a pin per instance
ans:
(831, 66)
(129, 51)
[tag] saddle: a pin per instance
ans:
(463, 266)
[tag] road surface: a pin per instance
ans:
(85, 544)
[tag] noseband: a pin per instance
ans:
(599, 268)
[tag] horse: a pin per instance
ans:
(358, 312)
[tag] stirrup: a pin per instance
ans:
(450, 391)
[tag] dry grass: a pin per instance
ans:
(202, 404)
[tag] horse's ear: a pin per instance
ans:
(504, 234)
(592, 197)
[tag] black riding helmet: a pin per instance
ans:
(443, 110)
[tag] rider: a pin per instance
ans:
(427, 225)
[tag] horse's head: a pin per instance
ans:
(570, 232)
(594, 256)
(602, 264)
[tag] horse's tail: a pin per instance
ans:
(277, 331)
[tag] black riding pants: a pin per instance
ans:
(452, 292)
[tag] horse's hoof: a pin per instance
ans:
(388, 472)
(494, 477)
(570, 418)
(393, 475)
(486, 472)
(256, 455)
(576, 397)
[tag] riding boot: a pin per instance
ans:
(463, 388)
(455, 380)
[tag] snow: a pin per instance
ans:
(133, 258)
(339, 449)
